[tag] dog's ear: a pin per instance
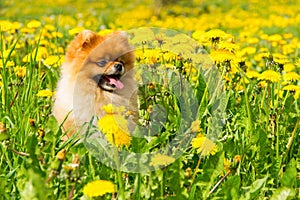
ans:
(84, 42)
(87, 39)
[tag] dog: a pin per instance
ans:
(98, 70)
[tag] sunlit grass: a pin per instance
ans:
(255, 47)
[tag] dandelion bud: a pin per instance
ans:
(3, 133)
(61, 155)
(237, 159)
(41, 133)
(149, 109)
(31, 122)
(195, 126)
(56, 164)
(188, 172)
(151, 86)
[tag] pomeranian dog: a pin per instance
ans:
(97, 71)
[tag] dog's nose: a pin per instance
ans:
(119, 66)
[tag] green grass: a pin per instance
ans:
(255, 129)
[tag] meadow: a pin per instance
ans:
(219, 86)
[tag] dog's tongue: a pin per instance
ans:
(115, 82)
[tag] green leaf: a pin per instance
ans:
(34, 187)
(176, 179)
(4, 136)
(212, 169)
(192, 192)
(231, 187)
(253, 190)
(290, 174)
(52, 124)
(283, 193)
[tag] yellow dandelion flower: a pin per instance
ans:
(228, 46)
(252, 40)
(34, 24)
(44, 42)
(40, 53)
(112, 123)
(195, 126)
(288, 67)
(49, 27)
(168, 56)
(119, 138)
(262, 84)
(198, 34)
(258, 57)
(27, 58)
(263, 50)
(204, 145)
(5, 25)
(98, 188)
(280, 58)
(7, 53)
(27, 30)
(275, 38)
(161, 160)
(221, 55)
(227, 165)
(111, 109)
(57, 34)
(291, 88)
(248, 50)
(288, 49)
(45, 34)
(105, 32)
(288, 35)
(215, 35)
(76, 30)
(52, 61)
(114, 126)
(8, 64)
(61, 51)
(291, 76)
(16, 25)
(152, 56)
(20, 71)
(252, 74)
(45, 93)
(270, 75)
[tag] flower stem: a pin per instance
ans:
(249, 126)
(291, 139)
(92, 166)
(119, 175)
(264, 96)
(196, 169)
(162, 185)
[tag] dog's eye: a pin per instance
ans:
(102, 63)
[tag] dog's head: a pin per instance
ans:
(103, 59)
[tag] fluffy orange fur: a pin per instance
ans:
(97, 71)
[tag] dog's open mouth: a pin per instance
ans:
(110, 82)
